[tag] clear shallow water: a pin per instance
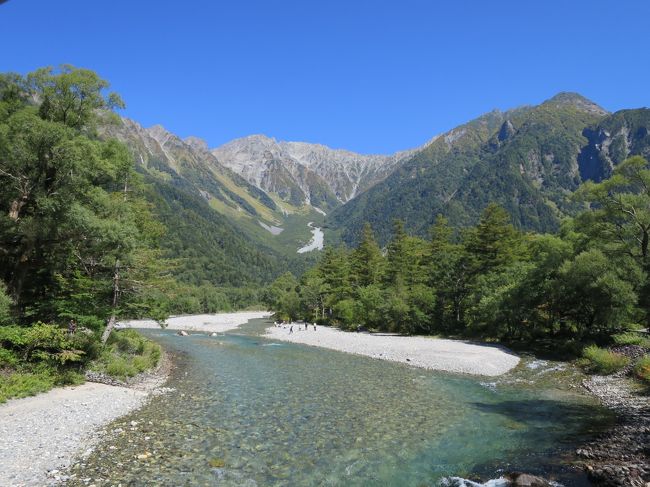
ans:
(248, 411)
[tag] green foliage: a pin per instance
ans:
(524, 160)
(206, 247)
(642, 368)
(42, 343)
(631, 338)
(75, 215)
(493, 281)
(5, 305)
(127, 354)
(17, 384)
(282, 297)
(35, 359)
(603, 361)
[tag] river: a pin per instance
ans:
(247, 411)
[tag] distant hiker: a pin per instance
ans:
(314, 326)
(290, 329)
(72, 327)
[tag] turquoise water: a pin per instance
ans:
(249, 411)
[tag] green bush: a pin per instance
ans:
(642, 368)
(40, 343)
(631, 338)
(603, 361)
(8, 358)
(5, 305)
(17, 384)
(127, 354)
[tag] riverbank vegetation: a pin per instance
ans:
(127, 354)
(80, 242)
(586, 284)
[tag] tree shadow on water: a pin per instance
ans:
(565, 420)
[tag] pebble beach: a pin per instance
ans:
(429, 353)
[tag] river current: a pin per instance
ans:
(247, 411)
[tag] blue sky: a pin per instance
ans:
(370, 76)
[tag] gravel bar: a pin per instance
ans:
(217, 323)
(426, 352)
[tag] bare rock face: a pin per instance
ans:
(313, 168)
(196, 143)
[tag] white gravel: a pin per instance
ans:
(218, 323)
(43, 434)
(426, 352)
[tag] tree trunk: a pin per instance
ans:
(116, 291)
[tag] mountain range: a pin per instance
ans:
(251, 199)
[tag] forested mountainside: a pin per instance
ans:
(217, 223)
(528, 160)
(301, 172)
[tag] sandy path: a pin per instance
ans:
(211, 323)
(429, 353)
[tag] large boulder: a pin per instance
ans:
(519, 479)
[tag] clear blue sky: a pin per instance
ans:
(370, 76)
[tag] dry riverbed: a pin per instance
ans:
(429, 353)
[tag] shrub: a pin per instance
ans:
(642, 368)
(24, 384)
(41, 343)
(631, 338)
(8, 358)
(127, 354)
(603, 361)
(5, 305)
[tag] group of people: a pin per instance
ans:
(283, 325)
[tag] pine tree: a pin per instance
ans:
(367, 262)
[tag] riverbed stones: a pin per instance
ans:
(620, 456)
(519, 479)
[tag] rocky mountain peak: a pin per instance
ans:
(159, 133)
(567, 98)
(314, 168)
(196, 143)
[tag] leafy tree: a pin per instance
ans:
(76, 237)
(71, 96)
(282, 297)
(620, 209)
(313, 294)
(593, 295)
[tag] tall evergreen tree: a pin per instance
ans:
(367, 262)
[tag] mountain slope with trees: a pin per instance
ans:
(588, 282)
(528, 160)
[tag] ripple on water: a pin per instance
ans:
(248, 412)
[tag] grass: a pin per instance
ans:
(642, 369)
(15, 384)
(602, 361)
(127, 354)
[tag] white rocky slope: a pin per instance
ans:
(259, 158)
